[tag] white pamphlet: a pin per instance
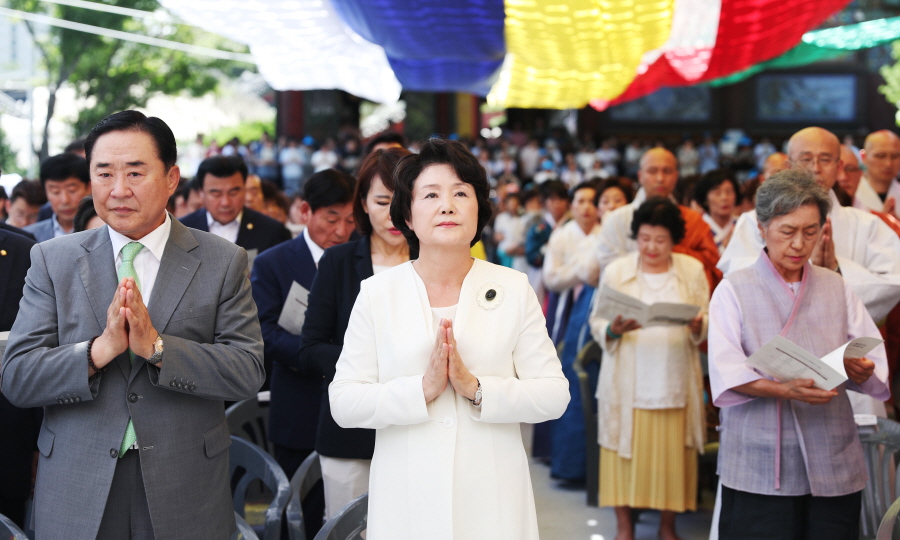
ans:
(251, 256)
(4, 337)
(294, 311)
(785, 361)
(612, 303)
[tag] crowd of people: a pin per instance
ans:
(409, 361)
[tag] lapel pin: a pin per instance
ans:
(490, 295)
(2, 253)
(250, 226)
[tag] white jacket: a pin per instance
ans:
(446, 470)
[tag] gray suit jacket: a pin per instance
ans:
(42, 230)
(203, 308)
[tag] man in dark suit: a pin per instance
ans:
(296, 393)
(66, 181)
(24, 204)
(131, 336)
(222, 180)
(18, 427)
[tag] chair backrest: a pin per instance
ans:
(349, 523)
(881, 488)
(589, 354)
(248, 462)
(10, 530)
(249, 419)
(309, 472)
(244, 530)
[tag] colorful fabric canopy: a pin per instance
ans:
(519, 53)
(825, 45)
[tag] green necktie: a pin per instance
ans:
(129, 252)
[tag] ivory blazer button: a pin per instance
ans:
(449, 422)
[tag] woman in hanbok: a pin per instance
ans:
(790, 461)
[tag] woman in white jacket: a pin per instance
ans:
(444, 356)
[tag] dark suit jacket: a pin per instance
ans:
(18, 427)
(296, 392)
(15, 259)
(258, 231)
(202, 307)
(331, 300)
(7, 227)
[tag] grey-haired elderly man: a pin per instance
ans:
(131, 336)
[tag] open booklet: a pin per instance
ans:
(785, 361)
(4, 337)
(612, 303)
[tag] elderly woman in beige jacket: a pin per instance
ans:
(650, 412)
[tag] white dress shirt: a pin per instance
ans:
(57, 228)
(314, 248)
(229, 231)
(146, 263)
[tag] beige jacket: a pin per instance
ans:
(616, 387)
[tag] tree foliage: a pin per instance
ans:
(111, 75)
(891, 74)
(7, 156)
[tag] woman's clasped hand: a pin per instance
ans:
(446, 366)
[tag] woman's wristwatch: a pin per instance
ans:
(477, 400)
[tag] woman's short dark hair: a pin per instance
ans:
(623, 185)
(84, 214)
(587, 184)
(661, 212)
(436, 151)
(162, 136)
(380, 163)
(327, 188)
(712, 180)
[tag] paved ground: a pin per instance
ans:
(564, 515)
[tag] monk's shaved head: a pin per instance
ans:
(818, 151)
(881, 156)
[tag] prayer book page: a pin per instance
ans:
(612, 303)
(4, 337)
(294, 311)
(785, 361)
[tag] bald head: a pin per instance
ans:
(881, 156)
(850, 172)
(818, 151)
(658, 172)
(774, 163)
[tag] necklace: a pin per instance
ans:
(646, 283)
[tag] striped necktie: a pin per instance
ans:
(126, 269)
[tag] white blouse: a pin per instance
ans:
(660, 357)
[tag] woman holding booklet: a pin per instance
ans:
(790, 461)
(650, 389)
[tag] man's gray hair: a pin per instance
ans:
(787, 191)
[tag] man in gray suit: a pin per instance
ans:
(133, 370)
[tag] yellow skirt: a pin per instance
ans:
(662, 472)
